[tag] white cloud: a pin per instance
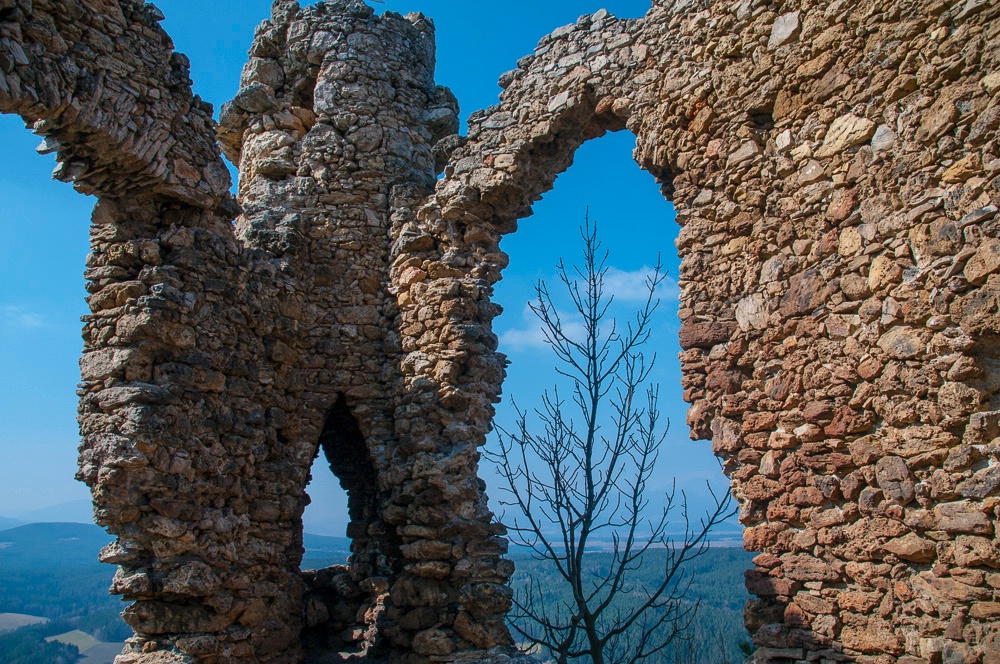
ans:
(625, 286)
(531, 336)
(515, 340)
(19, 318)
(630, 286)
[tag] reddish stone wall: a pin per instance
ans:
(836, 176)
(837, 191)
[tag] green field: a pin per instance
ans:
(81, 640)
(12, 621)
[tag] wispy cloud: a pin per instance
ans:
(630, 286)
(20, 318)
(531, 336)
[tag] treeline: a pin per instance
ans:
(76, 596)
(58, 593)
(716, 635)
(28, 645)
(70, 588)
(52, 571)
(85, 607)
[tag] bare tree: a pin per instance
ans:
(584, 489)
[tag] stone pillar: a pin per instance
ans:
(338, 130)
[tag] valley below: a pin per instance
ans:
(55, 607)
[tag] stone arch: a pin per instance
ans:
(343, 445)
(115, 133)
(448, 258)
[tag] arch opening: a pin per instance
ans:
(635, 220)
(344, 602)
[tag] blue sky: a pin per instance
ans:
(45, 242)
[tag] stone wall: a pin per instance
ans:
(835, 167)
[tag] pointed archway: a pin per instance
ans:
(344, 603)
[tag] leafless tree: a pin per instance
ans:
(583, 489)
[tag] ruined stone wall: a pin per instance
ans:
(835, 171)
(220, 358)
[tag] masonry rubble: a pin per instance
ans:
(835, 167)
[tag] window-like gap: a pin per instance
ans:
(347, 578)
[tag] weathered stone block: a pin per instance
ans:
(913, 548)
(846, 132)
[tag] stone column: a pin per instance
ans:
(338, 129)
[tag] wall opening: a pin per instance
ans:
(635, 224)
(345, 600)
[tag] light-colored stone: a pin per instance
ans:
(752, 313)
(745, 152)
(984, 262)
(812, 171)
(991, 84)
(850, 242)
(913, 548)
(962, 170)
(785, 29)
(844, 133)
(884, 139)
(883, 272)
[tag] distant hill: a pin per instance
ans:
(50, 571)
(6, 523)
(323, 543)
(74, 511)
(717, 635)
(323, 551)
(52, 545)
(57, 545)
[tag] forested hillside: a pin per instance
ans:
(51, 571)
(717, 634)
